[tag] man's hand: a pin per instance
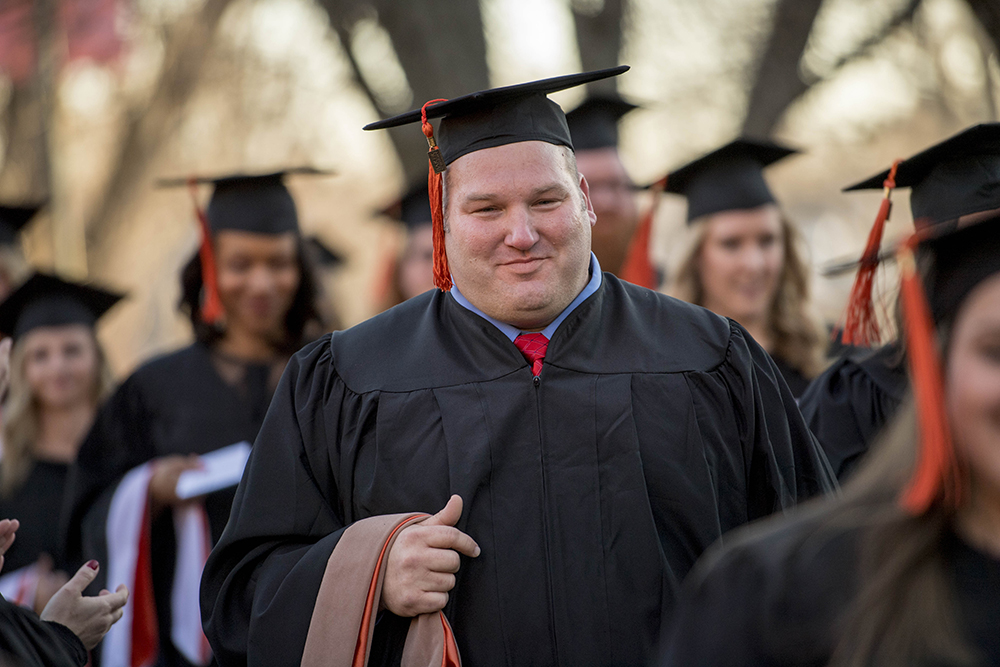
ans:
(423, 561)
(163, 483)
(7, 529)
(89, 618)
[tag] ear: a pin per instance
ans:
(585, 189)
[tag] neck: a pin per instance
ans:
(61, 430)
(245, 345)
(979, 521)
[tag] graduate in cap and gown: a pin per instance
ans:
(849, 403)
(13, 267)
(413, 271)
(904, 567)
(593, 126)
(250, 295)
(742, 256)
(59, 378)
(576, 440)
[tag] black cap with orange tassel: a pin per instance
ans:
(487, 119)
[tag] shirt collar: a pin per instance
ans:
(513, 332)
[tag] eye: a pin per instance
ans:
(730, 243)
(767, 240)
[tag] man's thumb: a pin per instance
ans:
(448, 516)
(83, 577)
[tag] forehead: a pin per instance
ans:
(43, 336)
(523, 164)
(765, 218)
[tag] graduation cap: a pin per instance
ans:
(959, 176)
(729, 178)
(257, 203)
(413, 209)
(487, 119)
(14, 218)
(48, 301)
(322, 254)
(594, 123)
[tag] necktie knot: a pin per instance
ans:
(533, 347)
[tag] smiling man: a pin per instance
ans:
(587, 439)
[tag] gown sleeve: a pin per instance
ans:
(28, 641)
(846, 407)
(261, 580)
(786, 464)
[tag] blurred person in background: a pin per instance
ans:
(849, 403)
(904, 567)
(594, 128)
(13, 266)
(71, 624)
(250, 294)
(413, 271)
(59, 378)
(741, 256)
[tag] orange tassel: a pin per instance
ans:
(860, 324)
(211, 306)
(937, 475)
(637, 269)
(442, 274)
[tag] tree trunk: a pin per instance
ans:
(599, 37)
(778, 82)
(988, 13)
(188, 45)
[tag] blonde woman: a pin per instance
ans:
(741, 259)
(59, 377)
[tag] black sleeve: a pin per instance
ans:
(785, 463)
(262, 578)
(29, 642)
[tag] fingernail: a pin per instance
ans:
(477, 551)
(92, 564)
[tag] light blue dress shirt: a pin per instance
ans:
(513, 332)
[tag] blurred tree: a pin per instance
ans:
(988, 13)
(599, 25)
(440, 46)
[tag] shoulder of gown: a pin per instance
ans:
(776, 590)
(32, 642)
(847, 405)
(432, 341)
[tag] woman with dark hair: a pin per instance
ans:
(904, 567)
(251, 297)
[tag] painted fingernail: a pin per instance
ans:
(92, 564)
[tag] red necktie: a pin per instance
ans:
(533, 346)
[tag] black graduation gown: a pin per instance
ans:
(176, 404)
(780, 594)
(796, 381)
(654, 427)
(36, 504)
(847, 405)
(26, 641)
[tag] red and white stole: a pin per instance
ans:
(20, 586)
(134, 641)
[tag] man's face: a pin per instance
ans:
(518, 231)
(613, 199)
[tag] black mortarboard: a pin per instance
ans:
(258, 203)
(413, 209)
(321, 254)
(47, 301)
(501, 116)
(959, 176)
(13, 219)
(594, 123)
(729, 178)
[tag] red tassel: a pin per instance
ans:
(637, 269)
(937, 475)
(860, 324)
(442, 274)
(211, 306)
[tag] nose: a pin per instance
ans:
(521, 233)
(260, 280)
(752, 259)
